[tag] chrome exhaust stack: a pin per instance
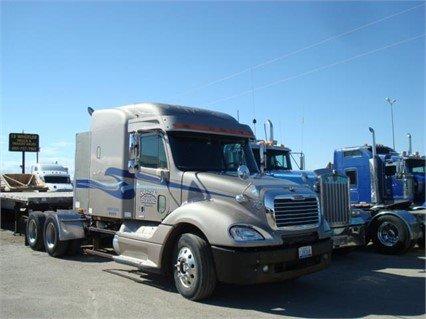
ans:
(410, 145)
(302, 161)
(271, 131)
(374, 162)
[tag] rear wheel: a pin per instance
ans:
(391, 236)
(34, 230)
(194, 273)
(52, 244)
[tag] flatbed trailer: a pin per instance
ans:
(21, 203)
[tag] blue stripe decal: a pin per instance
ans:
(123, 190)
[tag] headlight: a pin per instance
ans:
(245, 233)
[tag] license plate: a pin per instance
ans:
(305, 252)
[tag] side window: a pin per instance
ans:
(353, 178)
(352, 153)
(152, 153)
(233, 155)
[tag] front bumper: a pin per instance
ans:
(247, 266)
(349, 236)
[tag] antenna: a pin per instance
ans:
(252, 101)
(302, 127)
(238, 116)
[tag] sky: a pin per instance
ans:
(319, 70)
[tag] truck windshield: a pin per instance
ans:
(46, 167)
(277, 160)
(57, 179)
(416, 166)
(210, 152)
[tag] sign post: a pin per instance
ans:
(23, 142)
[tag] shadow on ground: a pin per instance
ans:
(356, 285)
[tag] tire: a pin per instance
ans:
(53, 246)
(193, 268)
(390, 235)
(34, 230)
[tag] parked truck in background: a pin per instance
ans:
(332, 188)
(390, 188)
(56, 177)
(180, 193)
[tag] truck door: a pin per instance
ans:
(352, 174)
(152, 194)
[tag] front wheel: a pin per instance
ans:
(391, 236)
(193, 272)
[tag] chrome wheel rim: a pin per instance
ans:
(186, 267)
(388, 234)
(50, 236)
(32, 232)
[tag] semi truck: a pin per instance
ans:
(390, 189)
(22, 193)
(332, 189)
(179, 192)
(56, 177)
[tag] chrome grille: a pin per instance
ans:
(334, 200)
(296, 212)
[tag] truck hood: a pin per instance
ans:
(299, 177)
(230, 185)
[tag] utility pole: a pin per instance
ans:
(391, 103)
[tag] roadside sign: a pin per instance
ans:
(23, 142)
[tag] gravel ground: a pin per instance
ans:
(361, 284)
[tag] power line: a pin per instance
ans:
(327, 66)
(282, 57)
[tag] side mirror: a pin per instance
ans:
(243, 172)
(262, 156)
(132, 166)
(390, 170)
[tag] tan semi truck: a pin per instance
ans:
(180, 193)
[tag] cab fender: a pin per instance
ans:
(409, 220)
(214, 218)
(70, 224)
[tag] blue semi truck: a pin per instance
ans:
(386, 191)
(332, 188)
(390, 188)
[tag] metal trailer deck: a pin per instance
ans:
(21, 203)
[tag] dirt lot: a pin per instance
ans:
(361, 284)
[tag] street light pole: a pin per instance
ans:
(391, 103)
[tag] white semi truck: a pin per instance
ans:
(55, 176)
(179, 192)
